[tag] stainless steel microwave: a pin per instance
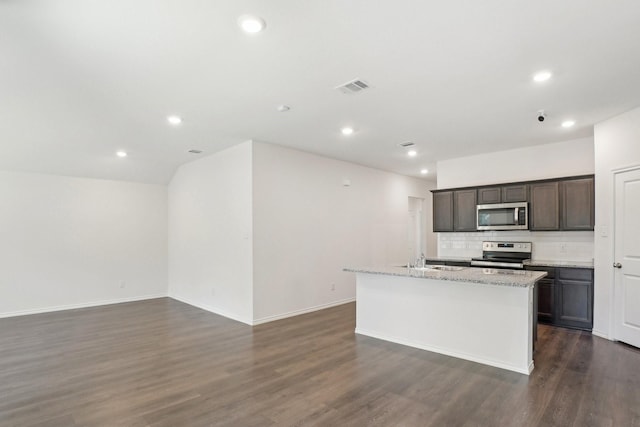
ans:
(503, 216)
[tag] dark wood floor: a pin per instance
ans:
(164, 363)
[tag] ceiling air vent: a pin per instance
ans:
(406, 144)
(354, 86)
(195, 151)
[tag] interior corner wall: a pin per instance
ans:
(210, 233)
(568, 158)
(617, 146)
(313, 216)
(68, 242)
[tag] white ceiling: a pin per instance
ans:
(81, 79)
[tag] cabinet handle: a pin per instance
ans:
(617, 265)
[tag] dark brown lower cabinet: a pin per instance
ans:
(565, 297)
(546, 291)
(436, 261)
(458, 263)
(574, 293)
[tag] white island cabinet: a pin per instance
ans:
(482, 315)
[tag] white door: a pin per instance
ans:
(626, 262)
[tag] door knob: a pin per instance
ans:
(617, 265)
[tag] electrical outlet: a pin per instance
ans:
(333, 286)
(123, 284)
(563, 248)
(213, 292)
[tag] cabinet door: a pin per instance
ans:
(464, 210)
(544, 206)
(577, 204)
(443, 211)
(546, 290)
(574, 298)
(545, 293)
(489, 195)
(515, 193)
(458, 263)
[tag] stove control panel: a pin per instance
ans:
(506, 246)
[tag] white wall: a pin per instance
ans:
(575, 157)
(308, 226)
(72, 242)
(210, 233)
(617, 145)
(567, 158)
(259, 232)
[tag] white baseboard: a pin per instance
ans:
(601, 335)
(302, 311)
(210, 309)
(197, 304)
(447, 352)
(80, 305)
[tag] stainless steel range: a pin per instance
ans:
(503, 255)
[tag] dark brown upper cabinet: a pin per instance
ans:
(515, 193)
(489, 195)
(502, 194)
(544, 206)
(578, 207)
(443, 211)
(464, 210)
(454, 210)
(554, 204)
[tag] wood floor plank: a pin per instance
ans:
(162, 363)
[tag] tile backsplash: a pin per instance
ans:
(551, 245)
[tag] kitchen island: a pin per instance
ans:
(477, 314)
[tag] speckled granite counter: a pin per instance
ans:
(567, 264)
(532, 263)
(489, 276)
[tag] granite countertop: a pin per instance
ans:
(567, 264)
(533, 263)
(488, 276)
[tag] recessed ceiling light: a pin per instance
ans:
(412, 153)
(568, 123)
(121, 153)
(251, 24)
(174, 120)
(542, 76)
(424, 171)
(283, 108)
(347, 131)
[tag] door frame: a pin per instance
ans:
(613, 315)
